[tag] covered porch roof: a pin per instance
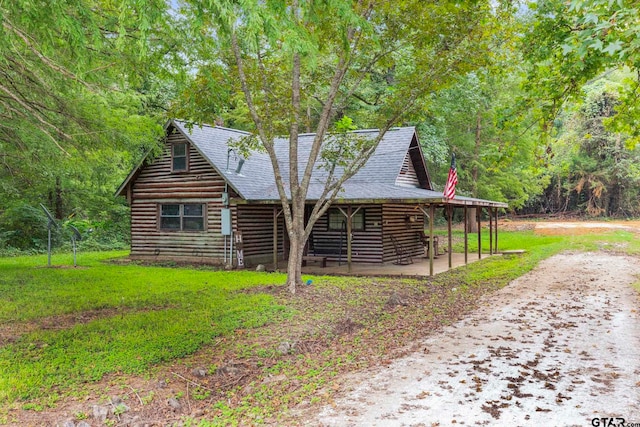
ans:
(376, 193)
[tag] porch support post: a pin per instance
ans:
(466, 236)
(449, 215)
(496, 249)
(490, 230)
(349, 214)
(479, 219)
(349, 229)
(432, 211)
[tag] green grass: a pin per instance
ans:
(105, 318)
(143, 316)
(29, 290)
(538, 247)
(538, 244)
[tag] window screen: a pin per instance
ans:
(179, 158)
(336, 219)
(185, 217)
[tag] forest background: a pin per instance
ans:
(541, 110)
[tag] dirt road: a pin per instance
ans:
(558, 346)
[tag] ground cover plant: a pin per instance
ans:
(233, 348)
(62, 327)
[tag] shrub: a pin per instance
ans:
(24, 227)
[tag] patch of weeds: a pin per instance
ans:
(148, 398)
(222, 412)
(52, 399)
(199, 393)
(81, 416)
(264, 353)
(279, 367)
(32, 406)
(119, 409)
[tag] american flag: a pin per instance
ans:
(450, 189)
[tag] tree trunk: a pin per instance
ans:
(476, 155)
(297, 242)
(294, 266)
(472, 224)
(58, 199)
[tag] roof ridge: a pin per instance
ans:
(185, 122)
(362, 130)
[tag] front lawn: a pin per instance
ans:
(70, 332)
(61, 327)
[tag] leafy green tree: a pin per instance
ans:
(80, 99)
(61, 62)
(290, 66)
(570, 43)
(497, 146)
(593, 171)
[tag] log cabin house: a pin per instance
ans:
(200, 201)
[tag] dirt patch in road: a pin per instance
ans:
(557, 346)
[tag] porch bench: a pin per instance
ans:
(329, 248)
(317, 258)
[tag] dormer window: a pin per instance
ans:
(179, 158)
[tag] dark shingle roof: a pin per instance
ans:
(374, 181)
(383, 166)
(213, 143)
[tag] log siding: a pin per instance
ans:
(407, 176)
(365, 245)
(397, 222)
(155, 185)
(256, 224)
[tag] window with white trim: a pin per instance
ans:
(182, 217)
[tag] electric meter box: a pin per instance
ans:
(226, 221)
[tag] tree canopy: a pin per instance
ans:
(77, 100)
(592, 170)
(538, 101)
(287, 67)
(571, 43)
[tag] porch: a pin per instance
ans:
(420, 267)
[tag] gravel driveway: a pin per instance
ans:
(559, 346)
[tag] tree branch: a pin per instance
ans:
(37, 116)
(42, 57)
(267, 142)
